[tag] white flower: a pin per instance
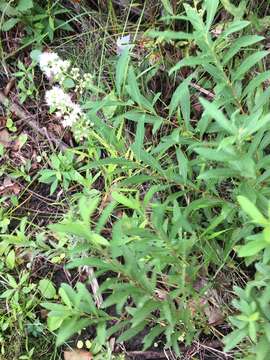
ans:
(58, 99)
(73, 115)
(65, 108)
(75, 73)
(122, 43)
(53, 66)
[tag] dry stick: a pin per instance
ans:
(26, 118)
(197, 87)
(146, 355)
(202, 90)
(94, 285)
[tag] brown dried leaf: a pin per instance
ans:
(56, 129)
(9, 86)
(9, 187)
(3, 121)
(77, 355)
(5, 139)
(214, 315)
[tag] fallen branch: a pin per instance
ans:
(146, 355)
(26, 118)
(202, 90)
(94, 285)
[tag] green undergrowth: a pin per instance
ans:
(155, 221)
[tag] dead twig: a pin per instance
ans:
(202, 90)
(26, 118)
(146, 355)
(94, 285)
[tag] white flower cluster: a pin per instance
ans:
(65, 108)
(53, 66)
(58, 71)
(84, 83)
(59, 101)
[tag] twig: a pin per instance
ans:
(202, 90)
(146, 355)
(94, 285)
(212, 346)
(26, 118)
(208, 93)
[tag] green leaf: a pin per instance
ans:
(191, 61)
(195, 18)
(101, 332)
(138, 116)
(255, 83)
(64, 297)
(132, 332)
(87, 207)
(10, 259)
(237, 45)
(234, 27)
(182, 164)
(248, 63)
(68, 83)
(47, 288)
(134, 92)
(106, 213)
(218, 173)
(53, 185)
(252, 330)
(80, 229)
(117, 327)
(86, 297)
(7, 9)
(234, 338)
(215, 155)
(35, 54)
(87, 261)
(130, 203)
(54, 322)
(139, 137)
(254, 125)
(121, 70)
(150, 337)
(70, 327)
(262, 349)
(167, 6)
(211, 8)
(250, 209)
(24, 5)
(73, 228)
(148, 159)
(141, 314)
(170, 35)
(245, 165)
(253, 247)
(237, 12)
(117, 297)
(215, 113)
(9, 24)
(97, 239)
(182, 96)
